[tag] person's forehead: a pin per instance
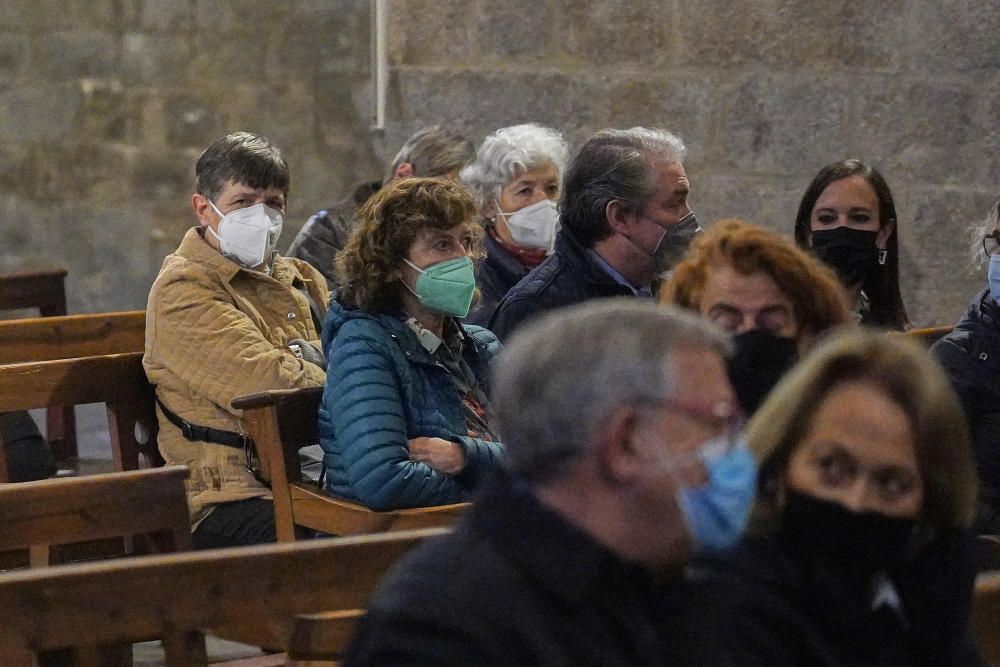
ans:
(699, 374)
(670, 178)
(853, 191)
(753, 291)
(433, 233)
(233, 188)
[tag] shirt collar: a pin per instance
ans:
(616, 276)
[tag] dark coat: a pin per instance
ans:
(496, 274)
(326, 233)
(759, 605)
(515, 584)
(382, 389)
(970, 355)
(566, 277)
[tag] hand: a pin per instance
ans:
(442, 455)
(306, 351)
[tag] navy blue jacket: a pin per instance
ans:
(568, 276)
(970, 355)
(382, 389)
(496, 274)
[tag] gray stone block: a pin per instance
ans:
(631, 35)
(148, 58)
(953, 35)
(515, 31)
(39, 112)
(62, 56)
(917, 128)
(781, 124)
(13, 58)
(794, 34)
(424, 32)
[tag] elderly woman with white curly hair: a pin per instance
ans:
(517, 179)
(970, 355)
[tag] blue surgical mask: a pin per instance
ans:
(994, 275)
(717, 512)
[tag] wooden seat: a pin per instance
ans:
(986, 616)
(927, 336)
(70, 336)
(322, 638)
(118, 380)
(67, 614)
(38, 515)
(281, 422)
(46, 291)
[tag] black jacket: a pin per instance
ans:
(496, 274)
(970, 355)
(566, 277)
(760, 605)
(326, 233)
(515, 584)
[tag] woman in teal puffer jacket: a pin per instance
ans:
(404, 420)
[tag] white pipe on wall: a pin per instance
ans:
(380, 61)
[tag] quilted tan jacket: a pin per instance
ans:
(215, 331)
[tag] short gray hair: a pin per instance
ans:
(433, 151)
(978, 231)
(614, 164)
(564, 373)
(510, 151)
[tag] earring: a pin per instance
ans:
(882, 254)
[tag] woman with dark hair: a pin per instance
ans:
(858, 551)
(848, 218)
(405, 416)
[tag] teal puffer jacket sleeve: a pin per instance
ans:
(363, 427)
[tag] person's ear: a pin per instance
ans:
(404, 170)
(621, 462)
(202, 209)
(619, 217)
(883, 234)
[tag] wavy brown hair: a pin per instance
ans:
(816, 295)
(368, 268)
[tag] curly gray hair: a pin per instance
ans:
(508, 152)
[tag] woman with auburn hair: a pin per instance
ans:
(404, 420)
(847, 216)
(774, 298)
(859, 548)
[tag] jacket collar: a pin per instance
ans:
(504, 263)
(194, 248)
(576, 255)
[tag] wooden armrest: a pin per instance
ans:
(273, 397)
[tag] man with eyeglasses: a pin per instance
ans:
(773, 297)
(617, 471)
(970, 354)
(625, 223)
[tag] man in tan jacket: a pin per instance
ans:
(228, 316)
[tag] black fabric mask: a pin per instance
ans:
(859, 542)
(759, 361)
(851, 252)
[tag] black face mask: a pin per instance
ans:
(857, 542)
(850, 252)
(759, 361)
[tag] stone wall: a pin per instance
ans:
(106, 104)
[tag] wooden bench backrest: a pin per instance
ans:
(281, 422)
(37, 515)
(118, 380)
(927, 336)
(986, 616)
(249, 594)
(69, 336)
(44, 290)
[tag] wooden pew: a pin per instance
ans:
(70, 336)
(281, 422)
(322, 638)
(986, 616)
(38, 515)
(118, 380)
(927, 336)
(68, 613)
(46, 291)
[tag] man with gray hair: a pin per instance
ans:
(618, 469)
(625, 222)
(432, 151)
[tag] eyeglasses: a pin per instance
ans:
(722, 417)
(991, 243)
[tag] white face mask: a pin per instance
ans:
(248, 235)
(534, 226)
